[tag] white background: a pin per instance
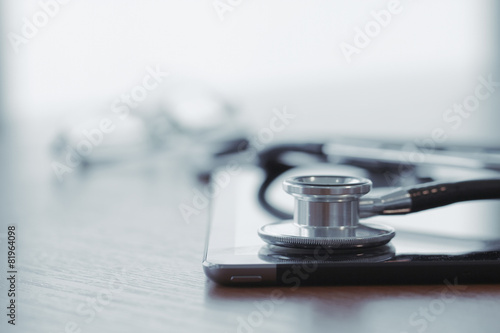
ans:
(264, 54)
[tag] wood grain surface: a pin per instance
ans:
(108, 251)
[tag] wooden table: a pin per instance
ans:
(108, 251)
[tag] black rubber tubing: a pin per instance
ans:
(442, 194)
(270, 161)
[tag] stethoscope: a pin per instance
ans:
(328, 208)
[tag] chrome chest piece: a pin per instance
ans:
(326, 214)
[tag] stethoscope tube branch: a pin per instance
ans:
(434, 195)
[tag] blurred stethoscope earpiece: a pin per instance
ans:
(186, 119)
